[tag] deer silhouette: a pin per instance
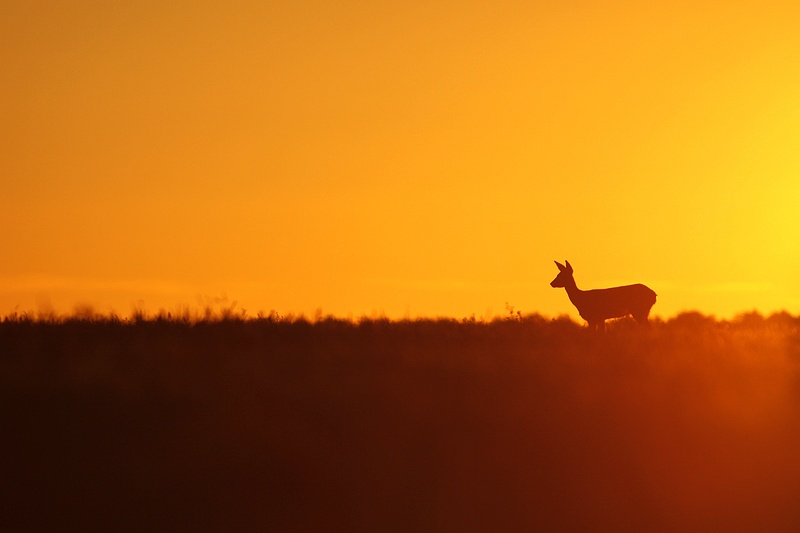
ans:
(597, 305)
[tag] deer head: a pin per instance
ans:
(564, 277)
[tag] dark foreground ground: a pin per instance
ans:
(523, 425)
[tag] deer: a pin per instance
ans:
(597, 305)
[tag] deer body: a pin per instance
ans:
(597, 305)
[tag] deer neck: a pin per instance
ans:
(574, 293)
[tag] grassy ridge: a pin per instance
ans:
(429, 425)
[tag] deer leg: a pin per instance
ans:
(597, 326)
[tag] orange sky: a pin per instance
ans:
(399, 158)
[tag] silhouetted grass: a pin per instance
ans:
(284, 424)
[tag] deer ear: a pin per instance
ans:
(569, 267)
(561, 268)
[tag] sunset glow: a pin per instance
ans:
(398, 158)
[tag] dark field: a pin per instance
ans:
(528, 424)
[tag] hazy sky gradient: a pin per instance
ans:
(406, 158)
